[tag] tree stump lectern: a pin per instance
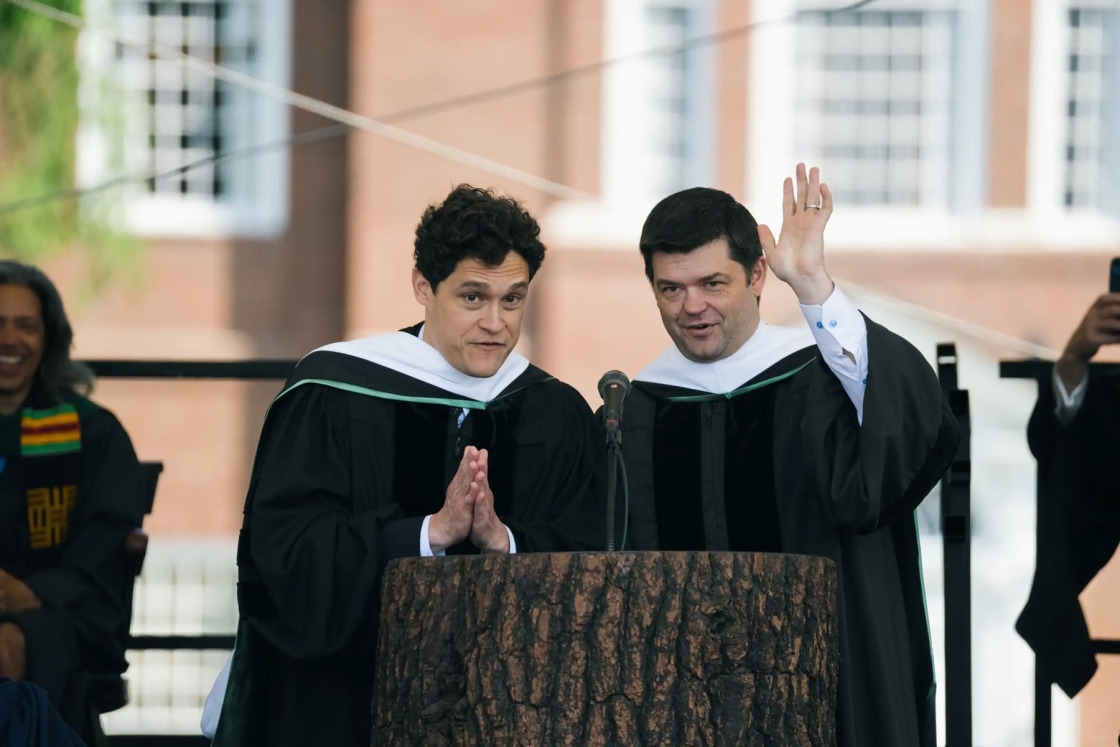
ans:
(655, 648)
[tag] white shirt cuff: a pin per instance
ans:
(837, 325)
(1068, 403)
(839, 328)
(212, 709)
(425, 543)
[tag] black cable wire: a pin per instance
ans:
(625, 496)
(498, 92)
(511, 89)
(305, 138)
(613, 458)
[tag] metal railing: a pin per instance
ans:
(956, 533)
(247, 370)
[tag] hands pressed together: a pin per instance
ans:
(468, 510)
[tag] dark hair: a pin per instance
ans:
(690, 219)
(56, 373)
(475, 223)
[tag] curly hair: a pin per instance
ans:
(474, 223)
(57, 373)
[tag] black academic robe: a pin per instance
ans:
(352, 456)
(1078, 526)
(85, 582)
(783, 465)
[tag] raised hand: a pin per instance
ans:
(1100, 326)
(797, 257)
(488, 533)
(452, 523)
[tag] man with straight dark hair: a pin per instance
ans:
(436, 439)
(821, 441)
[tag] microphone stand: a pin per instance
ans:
(615, 465)
(613, 388)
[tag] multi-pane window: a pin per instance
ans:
(667, 25)
(874, 104)
(188, 587)
(168, 115)
(187, 113)
(1088, 67)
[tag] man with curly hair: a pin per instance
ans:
(437, 439)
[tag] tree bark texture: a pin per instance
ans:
(656, 648)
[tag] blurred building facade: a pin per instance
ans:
(972, 146)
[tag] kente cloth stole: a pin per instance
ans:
(51, 468)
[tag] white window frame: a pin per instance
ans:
(1048, 122)
(968, 226)
(257, 206)
(772, 151)
(624, 163)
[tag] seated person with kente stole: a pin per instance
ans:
(71, 490)
(822, 441)
(437, 439)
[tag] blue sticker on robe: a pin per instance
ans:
(3, 463)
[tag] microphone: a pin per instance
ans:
(613, 388)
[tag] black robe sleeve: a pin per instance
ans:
(866, 481)
(558, 506)
(86, 597)
(1078, 526)
(1093, 437)
(313, 542)
(872, 475)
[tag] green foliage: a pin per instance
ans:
(39, 113)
